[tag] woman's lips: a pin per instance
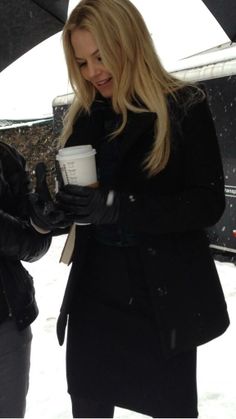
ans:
(103, 82)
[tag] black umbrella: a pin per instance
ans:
(26, 23)
(225, 13)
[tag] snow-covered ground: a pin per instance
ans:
(48, 398)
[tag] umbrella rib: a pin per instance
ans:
(48, 11)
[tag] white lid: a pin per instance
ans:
(75, 149)
(76, 155)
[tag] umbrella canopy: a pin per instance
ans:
(26, 23)
(225, 13)
(179, 29)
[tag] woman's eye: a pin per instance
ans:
(99, 58)
(81, 65)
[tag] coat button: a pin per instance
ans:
(152, 251)
(132, 198)
(161, 291)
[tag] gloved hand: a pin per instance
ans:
(7, 198)
(59, 178)
(3, 184)
(84, 204)
(44, 212)
(5, 190)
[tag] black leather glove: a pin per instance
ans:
(5, 191)
(85, 204)
(59, 178)
(44, 212)
(7, 198)
(3, 184)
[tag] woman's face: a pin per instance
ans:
(89, 60)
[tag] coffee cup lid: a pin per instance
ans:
(75, 156)
(75, 149)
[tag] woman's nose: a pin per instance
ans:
(93, 70)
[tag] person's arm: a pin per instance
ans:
(19, 241)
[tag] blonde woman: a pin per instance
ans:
(143, 291)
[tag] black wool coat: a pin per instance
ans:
(169, 212)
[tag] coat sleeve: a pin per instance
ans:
(19, 241)
(200, 201)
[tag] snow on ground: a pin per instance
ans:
(48, 398)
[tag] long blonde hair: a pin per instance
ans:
(128, 53)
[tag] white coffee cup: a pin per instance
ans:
(77, 164)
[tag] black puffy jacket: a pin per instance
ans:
(18, 240)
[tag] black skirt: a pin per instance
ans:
(113, 347)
